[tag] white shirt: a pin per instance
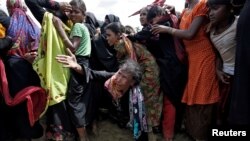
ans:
(225, 43)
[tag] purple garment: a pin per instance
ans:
(24, 32)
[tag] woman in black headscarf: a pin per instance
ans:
(110, 18)
(91, 23)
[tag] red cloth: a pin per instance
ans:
(168, 121)
(35, 97)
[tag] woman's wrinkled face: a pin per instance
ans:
(218, 13)
(123, 79)
(76, 15)
(143, 17)
(111, 37)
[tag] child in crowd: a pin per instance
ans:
(223, 24)
(79, 43)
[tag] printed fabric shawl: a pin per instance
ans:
(137, 111)
(22, 29)
(54, 77)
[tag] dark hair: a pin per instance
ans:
(115, 27)
(112, 18)
(229, 3)
(154, 11)
(133, 68)
(144, 9)
(91, 19)
(129, 30)
(79, 4)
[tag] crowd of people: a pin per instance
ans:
(187, 71)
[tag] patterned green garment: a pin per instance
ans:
(54, 77)
(150, 83)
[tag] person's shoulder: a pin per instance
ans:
(81, 26)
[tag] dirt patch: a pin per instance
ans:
(108, 131)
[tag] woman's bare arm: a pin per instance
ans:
(187, 34)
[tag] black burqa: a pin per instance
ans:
(102, 55)
(110, 18)
(91, 23)
(240, 104)
(102, 58)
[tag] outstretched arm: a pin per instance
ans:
(69, 61)
(187, 34)
(71, 44)
(37, 8)
(142, 36)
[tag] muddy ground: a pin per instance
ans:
(109, 131)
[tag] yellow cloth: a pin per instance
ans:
(2, 31)
(54, 77)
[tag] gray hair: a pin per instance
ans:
(133, 68)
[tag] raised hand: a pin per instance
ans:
(30, 57)
(156, 29)
(68, 61)
(65, 7)
(223, 77)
